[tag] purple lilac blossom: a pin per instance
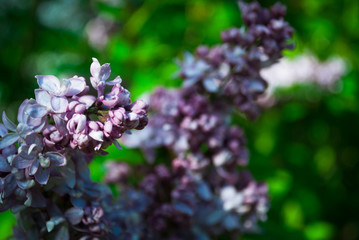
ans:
(47, 154)
(202, 194)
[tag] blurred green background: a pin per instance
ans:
(305, 146)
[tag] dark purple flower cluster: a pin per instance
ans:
(203, 193)
(231, 70)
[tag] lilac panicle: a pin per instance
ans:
(202, 193)
(49, 149)
(231, 69)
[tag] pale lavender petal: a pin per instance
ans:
(93, 125)
(23, 129)
(124, 97)
(37, 123)
(7, 122)
(3, 130)
(81, 139)
(36, 110)
(32, 149)
(104, 72)
(95, 68)
(40, 127)
(59, 104)
(42, 175)
(9, 139)
(88, 100)
(115, 81)
(56, 159)
(43, 98)
(110, 101)
(77, 85)
(81, 122)
(80, 108)
(20, 113)
(94, 82)
(112, 98)
(49, 83)
(108, 126)
(211, 84)
(97, 135)
(65, 86)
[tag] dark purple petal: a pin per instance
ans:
(24, 152)
(26, 184)
(9, 185)
(62, 233)
(74, 215)
(38, 200)
(8, 139)
(57, 159)
(183, 208)
(60, 123)
(203, 191)
(42, 175)
(34, 167)
(36, 139)
(68, 172)
(8, 151)
(78, 202)
(4, 165)
(49, 83)
(8, 124)
(21, 163)
(82, 169)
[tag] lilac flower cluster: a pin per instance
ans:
(45, 156)
(204, 193)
